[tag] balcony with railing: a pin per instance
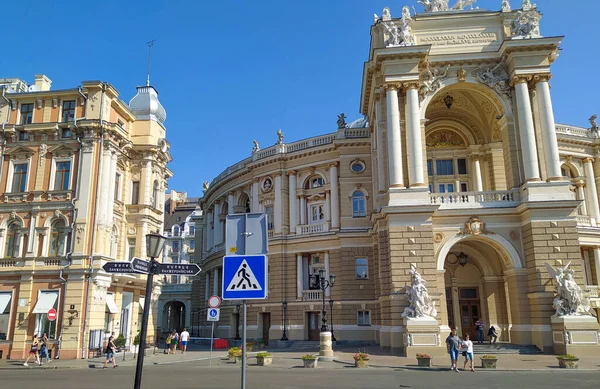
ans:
(462, 200)
(312, 295)
(308, 229)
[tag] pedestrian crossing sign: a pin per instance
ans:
(245, 277)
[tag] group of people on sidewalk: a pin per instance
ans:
(39, 350)
(177, 339)
(456, 345)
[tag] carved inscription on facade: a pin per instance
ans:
(479, 38)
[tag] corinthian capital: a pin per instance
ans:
(542, 78)
(520, 79)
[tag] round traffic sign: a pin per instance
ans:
(213, 313)
(51, 314)
(214, 301)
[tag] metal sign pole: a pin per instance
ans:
(244, 347)
(212, 335)
(140, 361)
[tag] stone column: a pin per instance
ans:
(278, 206)
(551, 157)
(581, 195)
(592, 194)
(104, 189)
(293, 200)
(396, 178)
(111, 189)
(217, 224)
(328, 290)
(456, 175)
(207, 286)
(380, 154)
(302, 210)
(254, 203)
(327, 207)
(210, 237)
(413, 133)
(477, 180)
(216, 281)
(230, 202)
(335, 196)
(33, 237)
(526, 129)
(299, 277)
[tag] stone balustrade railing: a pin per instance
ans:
(312, 295)
(562, 129)
(586, 221)
(494, 199)
(306, 229)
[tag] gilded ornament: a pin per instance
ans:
(462, 74)
(443, 139)
(438, 237)
(475, 226)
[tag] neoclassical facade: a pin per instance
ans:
(81, 183)
(460, 171)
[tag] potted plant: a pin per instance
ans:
(235, 354)
(568, 361)
(264, 359)
(310, 361)
(120, 342)
(424, 360)
(361, 359)
(489, 361)
(249, 347)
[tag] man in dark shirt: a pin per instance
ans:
(453, 343)
(479, 327)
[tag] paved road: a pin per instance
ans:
(189, 376)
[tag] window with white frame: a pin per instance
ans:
(62, 175)
(26, 113)
(135, 192)
(130, 248)
(13, 240)
(270, 221)
(117, 195)
(364, 318)
(155, 195)
(316, 213)
(57, 238)
(362, 269)
(175, 246)
(47, 299)
(358, 204)
(19, 179)
(5, 303)
(315, 182)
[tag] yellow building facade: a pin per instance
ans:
(459, 170)
(82, 182)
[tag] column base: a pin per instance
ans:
(546, 191)
(422, 336)
(577, 335)
(412, 196)
(326, 349)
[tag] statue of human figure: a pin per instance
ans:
(341, 121)
(205, 186)
(421, 305)
(279, 137)
(256, 146)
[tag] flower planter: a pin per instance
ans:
(489, 363)
(310, 363)
(231, 358)
(424, 362)
(264, 361)
(361, 363)
(568, 363)
(238, 359)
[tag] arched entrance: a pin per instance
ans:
(482, 280)
(174, 316)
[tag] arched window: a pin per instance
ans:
(244, 202)
(57, 238)
(175, 230)
(358, 204)
(155, 195)
(12, 240)
(314, 182)
(567, 171)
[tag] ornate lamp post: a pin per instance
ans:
(237, 322)
(324, 285)
(333, 339)
(284, 337)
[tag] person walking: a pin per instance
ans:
(110, 352)
(467, 346)
(34, 351)
(492, 334)
(453, 343)
(168, 342)
(185, 337)
(174, 341)
(44, 353)
(479, 327)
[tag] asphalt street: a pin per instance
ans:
(184, 376)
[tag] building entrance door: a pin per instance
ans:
(470, 310)
(266, 326)
(313, 325)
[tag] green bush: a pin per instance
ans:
(120, 341)
(235, 352)
(136, 340)
(569, 357)
(264, 354)
(309, 357)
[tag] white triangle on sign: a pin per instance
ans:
(244, 279)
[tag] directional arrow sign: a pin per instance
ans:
(187, 269)
(140, 266)
(117, 267)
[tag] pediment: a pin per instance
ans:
(19, 152)
(62, 150)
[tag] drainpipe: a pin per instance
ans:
(91, 266)
(3, 145)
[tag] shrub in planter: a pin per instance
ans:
(249, 347)
(264, 359)
(120, 342)
(568, 361)
(234, 353)
(489, 361)
(424, 360)
(310, 361)
(361, 359)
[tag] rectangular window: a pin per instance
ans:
(63, 175)
(5, 298)
(462, 166)
(68, 111)
(26, 113)
(450, 188)
(66, 133)
(23, 136)
(364, 318)
(192, 244)
(19, 183)
(135, 192)
(362, 270)
(117, 186)
(175, 246)
(464, 187)
(270, 221)
(192, 230)
(131, 248)
(429, 168)
(46, 300)
(317, 214)
(430, 188)
(444, 167)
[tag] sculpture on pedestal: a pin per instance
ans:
(400, 35)
(442, 5)
(256, 147)
(570, 300)
(594, 130)
(205, 186)
(341, 121)
(279, 137)
(505, 6)
(527, 24)
(421, 305)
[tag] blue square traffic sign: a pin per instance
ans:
(245, 277)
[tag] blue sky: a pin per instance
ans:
(231, 71)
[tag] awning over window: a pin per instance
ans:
(110, 303)
(46, 300)
(4, 301)
(142, 302)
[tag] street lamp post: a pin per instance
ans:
(237, 322)
(333, 339)
(284, 337)
(324, 285)
(154, 246)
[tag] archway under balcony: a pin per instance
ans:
(174, 316)
(470, 139)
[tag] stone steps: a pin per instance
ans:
(505, 348)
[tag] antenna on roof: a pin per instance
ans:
(150, 44)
